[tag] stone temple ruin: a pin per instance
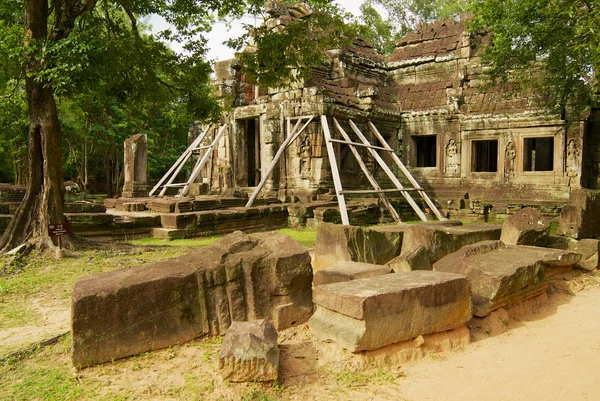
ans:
(366, 287)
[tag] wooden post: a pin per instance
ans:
(290, 138)
(407, 173)
(337, 182)
(366, 172)
(389, 173)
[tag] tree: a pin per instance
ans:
(550, 47)
(408, 14)
(382, 33)
(57, 59)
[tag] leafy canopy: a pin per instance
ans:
(550, 46)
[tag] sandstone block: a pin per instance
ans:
(249, 352)
(348, 271)
(526, 227)
(371, 313)
(237, 278)
(416, 258)
(580, 218)
(442, 240)
(502, 275)
(338, 243)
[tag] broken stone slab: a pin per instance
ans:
(441, 240)
(502, 275)
(526, 227)
(237, 278)
(416, 258)
(587, 247)
(348, 271)
(373, 312)
(249, 352)
(580, 218)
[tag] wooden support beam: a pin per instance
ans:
(407, 173)
(367, 173)
(337, 182)
(389, 173)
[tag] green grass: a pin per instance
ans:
(306, 237)
(192, 242)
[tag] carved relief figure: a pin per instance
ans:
(572, 161)
(510, 155)
(452, 160)
(305, 153)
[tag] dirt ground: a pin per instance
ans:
(545, 349)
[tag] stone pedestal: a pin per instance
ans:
(136, 161)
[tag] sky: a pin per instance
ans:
(221, 32)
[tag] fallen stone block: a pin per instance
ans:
(580, 218)
(502, 275)
(237, 278)
(371, 313)
(587, 247)
(348, 271)
(441, 240)
(416, 258)
(249, 352)
(337, 243)
(526, 227)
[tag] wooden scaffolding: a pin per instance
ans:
(301, 122)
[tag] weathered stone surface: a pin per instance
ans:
(348, 271)
(249, 352)
(526, 227)
(502, 275)
(371, 313)
(587, 247)
(580, 218)
(338, 243)
(416, 258)
(136, 162)
(134, 310)
(442, 240)
(237, 278)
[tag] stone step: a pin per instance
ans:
(371, 313)
(348, 271)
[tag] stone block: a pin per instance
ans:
(338, 243)
(371, 313)
(129, 311)
(441, 240)
(249, 352)
(416, 258)
(502, 275)
(237, 278)
(348, 271)
(526, 227)
(587, 247)
(580, 218)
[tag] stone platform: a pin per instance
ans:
(348, 271)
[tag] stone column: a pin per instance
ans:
(136, 161)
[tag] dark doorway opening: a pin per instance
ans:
(425, 150)
(538, 154)
(253, 144)
(484, 156)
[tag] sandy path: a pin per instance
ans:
(556, 356)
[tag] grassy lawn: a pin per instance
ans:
(47, 373)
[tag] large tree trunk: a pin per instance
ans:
(44, 198)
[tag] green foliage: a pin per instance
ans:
(550, 47)
(408, 14)
(382, 33)
(280, 56)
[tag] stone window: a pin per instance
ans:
(484, 156)
(538, 154)
(425, 150)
